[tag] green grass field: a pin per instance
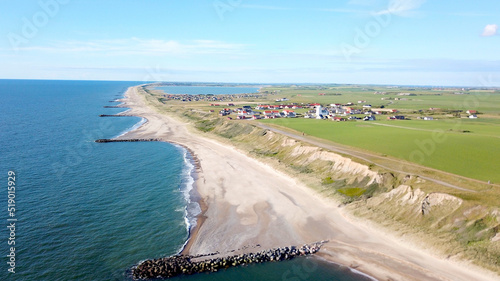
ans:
(483, 101)
(437, 144)
(461, 146)
(467, 147)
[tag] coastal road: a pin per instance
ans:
(364, 156)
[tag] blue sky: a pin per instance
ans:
(411, 42)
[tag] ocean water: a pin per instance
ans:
(88, 211)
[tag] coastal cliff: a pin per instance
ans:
(349, 207)
(458, 229)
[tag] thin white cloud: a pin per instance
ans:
(490, 30)
(402, 7)
(262, 7)
(138, 46)
(362, 2)
(343, 11)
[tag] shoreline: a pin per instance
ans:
(191, 157)
(284, 212)
(199, 218)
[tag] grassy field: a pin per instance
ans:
(439, 145)
(463, 146)
(423, 99)
(467, 147)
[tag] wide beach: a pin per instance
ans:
(249, 206)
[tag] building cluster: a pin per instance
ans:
(211, 98)
(334, 111)
(247, 112)
(339, 112)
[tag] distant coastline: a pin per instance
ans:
(214, 90)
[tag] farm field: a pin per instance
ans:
(462, 146)
(422, 98)
(475, 127)
(437, 144)
(452, 143)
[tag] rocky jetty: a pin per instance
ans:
(180, 264)
(113, 106)
(116, 115)
(126, 140)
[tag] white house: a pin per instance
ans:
(289, 113)
(321, 113)
(244, 112)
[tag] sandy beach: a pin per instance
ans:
(247, 203)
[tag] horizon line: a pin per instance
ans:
(259, 83)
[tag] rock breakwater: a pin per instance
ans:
(125, 140)
(180, 264)
(116, 115)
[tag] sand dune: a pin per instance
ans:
(249, 203)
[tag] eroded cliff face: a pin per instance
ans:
(339, 166)
(458, 228)
(455, 227)
(323, 169)
(417, 203)
(438, 211)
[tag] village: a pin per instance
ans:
(246, 107)
(209, 97)
(334, 111)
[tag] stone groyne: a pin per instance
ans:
(125, 140)
(116, 115)
(177, 265)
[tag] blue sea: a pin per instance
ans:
(89, 211)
